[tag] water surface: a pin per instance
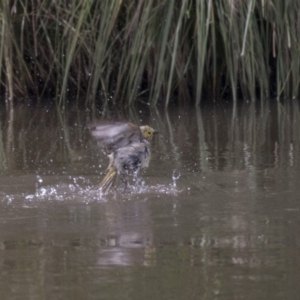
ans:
(216, 217)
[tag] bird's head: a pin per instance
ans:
(148, 132)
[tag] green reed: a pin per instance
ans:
(161, 51)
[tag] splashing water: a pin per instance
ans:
(175, 176)
(82, 189)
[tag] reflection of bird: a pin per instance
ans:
(130, 147)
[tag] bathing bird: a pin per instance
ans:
(130, 150)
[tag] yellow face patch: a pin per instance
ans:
(147, 132)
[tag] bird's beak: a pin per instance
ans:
(155, 132)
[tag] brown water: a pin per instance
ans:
(216, 217)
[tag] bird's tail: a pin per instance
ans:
(108, 180)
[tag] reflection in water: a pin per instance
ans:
(220, 137)
(215, 216)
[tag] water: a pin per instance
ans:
(216, 215)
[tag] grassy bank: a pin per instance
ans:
(165, 50)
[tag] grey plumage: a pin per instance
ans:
(116, 135)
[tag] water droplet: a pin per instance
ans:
(39, 179)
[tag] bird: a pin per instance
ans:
(130, 147)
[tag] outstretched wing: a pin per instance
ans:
(113, 136)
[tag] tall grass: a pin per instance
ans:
(164, 51)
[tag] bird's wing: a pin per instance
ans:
(116, 135)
